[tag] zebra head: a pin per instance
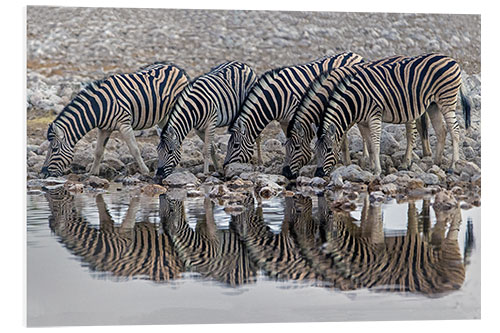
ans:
(169, 153)
(59, 154)
(298, 151)
(240, 146)
(327, 152)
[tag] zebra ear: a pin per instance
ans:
(172, 135)
(300, 130)
(314, 128)
(331, 130)
(57, 131)
(243, 128)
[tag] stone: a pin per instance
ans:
(194, 193)
(153, 190)
(389, 188)
(218, 191)
(317, 182)
(377, 196)
(180, 179)
(335, 181)
(303, 181)
(444, 200)
(235, 169)
(353, 173)
(429, 178)
(438, 172)
(389, 179)
(97, 182)
(234, 209)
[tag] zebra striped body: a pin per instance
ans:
(123, 102)
(276, 96)
(395, 93)
(303, 125)
(209, 101)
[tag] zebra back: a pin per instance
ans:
(215, 96)
(140, 99)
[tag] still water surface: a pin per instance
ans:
(118, 258)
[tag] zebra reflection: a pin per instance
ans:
(214, 253)
(127, 250)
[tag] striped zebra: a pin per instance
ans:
(413, 262)
(277, 255)
(276, 96)
(209, 101)
(211, 252)
(395, 93)
(303, 125)
(123, 102)
(129, 250)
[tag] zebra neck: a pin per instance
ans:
(73, 131)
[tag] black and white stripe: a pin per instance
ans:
(123, 102)
(303, 125)
(209, 101)
(276, 96)
(396, 93)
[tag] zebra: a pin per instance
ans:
(275, 96)
(209, 101)
(123, 102)
(394, 93)
(130, 250)
(411, 262)
(306, 120)
(207, 250)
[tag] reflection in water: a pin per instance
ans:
(328, 248)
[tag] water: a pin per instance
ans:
(123, 258)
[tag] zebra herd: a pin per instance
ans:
(323, 98)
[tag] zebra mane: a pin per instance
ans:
(340, 88)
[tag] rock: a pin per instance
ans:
(420, 192)
(272, 146)
(234, 209)
(210, 180)
(429, 178)
(180, 179)
(468, 167)
(414, 184)
(235, 169)
(438, 172)
(130, 180)
(153, 190)
(317, 182)
(389, 188)
(389, 179)
(377, 196)
(97, 182)
(335, 181)
(194, 193)
(388, 145)
(444, 200)
(303, 181)
(353, 173)
(219, 191)
(50, 181)
(466, 206)
(307, 171)
(476, 180)
(289, 193)
(261, 179)
(239, 183)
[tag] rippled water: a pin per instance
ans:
(119, 258)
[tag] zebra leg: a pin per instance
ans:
(258, 142)
(105, 220)
(375, 126)
(128, 135)
(345, 150)
(424, 134)
(410, 140)
(102, 140)
(129, 220)
(440, 130)
(365, 134)
(450, 117)
(207, 147)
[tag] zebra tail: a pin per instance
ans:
(423, 123)
(465, 107)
